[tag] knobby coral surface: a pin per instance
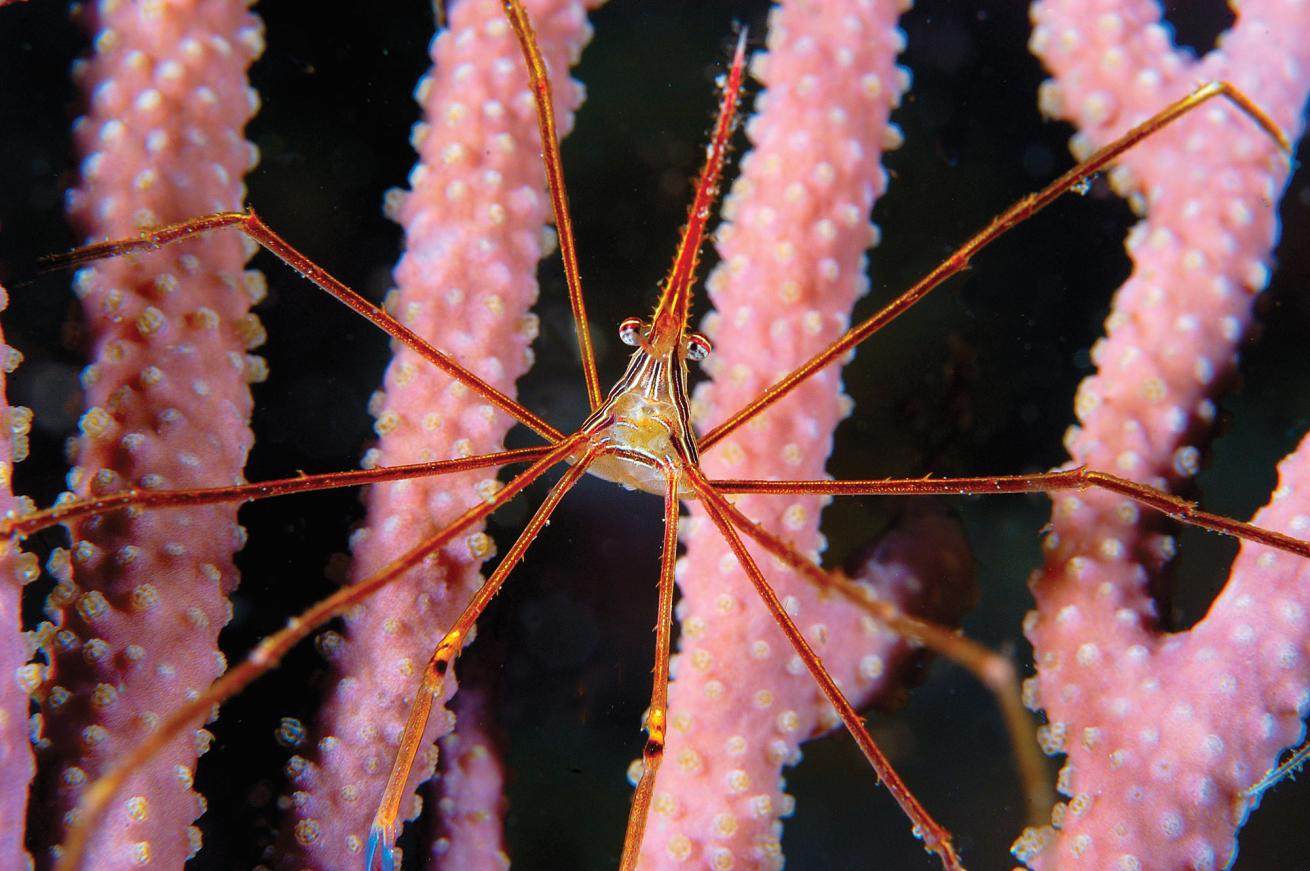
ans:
(474, 221)
(570, 657)
(1167, 732)
(16, 570)
(141, 596)
(793, 248)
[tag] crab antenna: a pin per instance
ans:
(669, 322)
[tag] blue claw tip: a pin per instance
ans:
(378, 838)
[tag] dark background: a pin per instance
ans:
(978, 379)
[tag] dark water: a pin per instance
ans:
(333, 133)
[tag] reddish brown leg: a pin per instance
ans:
(1287, 768)
(266, 655)
(992, 670)
(559, 195)
(1000, 225)
(1080, 478)
(676, 299)
(65, 512)
(935, 837)
(250, 224)
(657, 713)
(674, 308)
(382, 834)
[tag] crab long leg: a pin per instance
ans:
(1013, 216)
(1287, 768)
(382, 834)
(266, 655)
(992, 669)
(1079, 478)
(250, 224)
(935, 837)
(657, 713)
(65, 512)
(674, 308)
(559, 195)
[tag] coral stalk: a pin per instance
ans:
(793, 250)
(1166, 732)
(475, 228)
(16, 676)
(142, 596)
(470, 795)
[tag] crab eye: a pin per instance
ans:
(630, 331)
(698, 347)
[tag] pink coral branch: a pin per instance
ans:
(474, 221)
(17, 678)
(141, 599)
(1166, 732)
(470, 795)
(793, 249)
